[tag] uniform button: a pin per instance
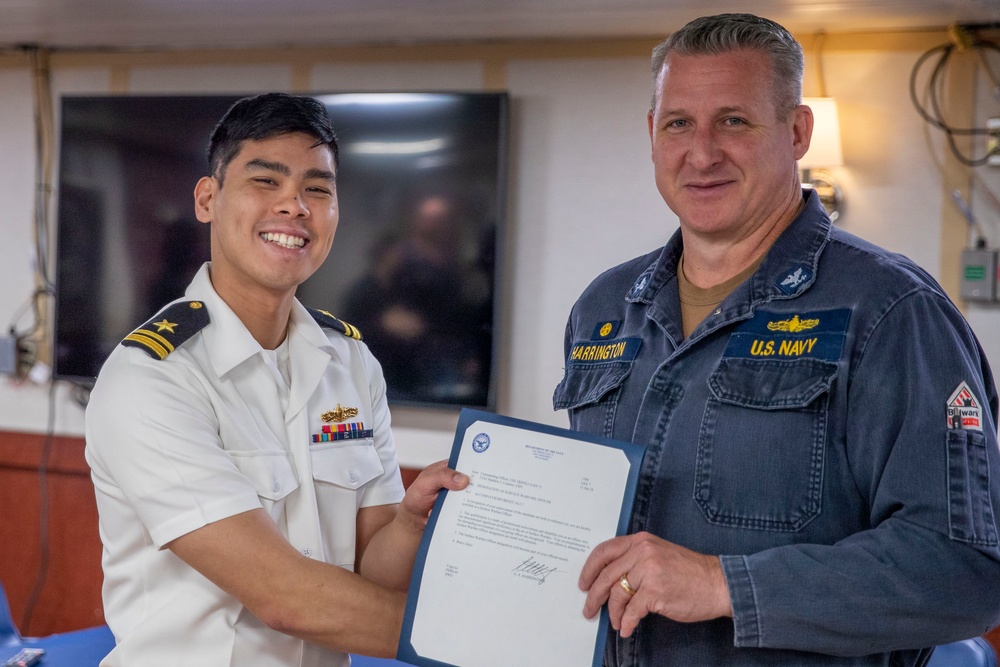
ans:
(353, 476)
(718, 311)
(276, 486)
(306, 552)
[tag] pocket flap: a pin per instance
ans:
(348, 465)
(272, 473)
(771, 385)
(583, 385)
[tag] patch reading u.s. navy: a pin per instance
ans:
(325, 319)
(796, 278)
(816, 335)
(591, 352)
(169, 329)
(605, 330)
(964, 410)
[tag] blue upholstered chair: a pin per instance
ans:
(975, 652)
(81, 648)
(365, 661)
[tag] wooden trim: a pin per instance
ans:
(121, 79)
(486, 50)
(71, 596)
(23, 451)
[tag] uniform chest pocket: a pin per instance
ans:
(272, 475)
(341, 471)
(591, 393)
(762, 443)
(347, 466)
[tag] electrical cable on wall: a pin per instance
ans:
(963, 39)
(33, 343)
(43, 514)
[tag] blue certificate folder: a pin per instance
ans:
(467, 418)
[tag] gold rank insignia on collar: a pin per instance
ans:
(339, 414)
(169, 329)
(325, 319)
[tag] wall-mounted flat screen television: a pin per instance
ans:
(421, 184)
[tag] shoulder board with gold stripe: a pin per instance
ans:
(169, 329)
(325, 319)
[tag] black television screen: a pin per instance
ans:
(421, 185)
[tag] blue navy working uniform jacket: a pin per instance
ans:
(829, 431)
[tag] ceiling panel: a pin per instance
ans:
(177, 24)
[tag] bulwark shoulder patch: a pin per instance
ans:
(964, 410)
(785, 336)
(169, 329)
(326, 320)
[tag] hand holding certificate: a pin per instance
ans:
(495, 581)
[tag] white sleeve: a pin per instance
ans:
(153, 437)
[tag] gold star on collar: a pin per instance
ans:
(164, 324)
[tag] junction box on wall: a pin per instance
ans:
(993, 142)
(979, 274)
(8, 355)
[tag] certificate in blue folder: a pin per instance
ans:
(495, 580)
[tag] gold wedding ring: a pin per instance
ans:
(623, 582)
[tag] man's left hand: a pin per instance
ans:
(667, 579)
(423, 491)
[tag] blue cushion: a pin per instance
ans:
(975, 652)
(366, 661)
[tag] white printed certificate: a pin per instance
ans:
(495, 581)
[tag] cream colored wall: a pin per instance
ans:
(581, 188)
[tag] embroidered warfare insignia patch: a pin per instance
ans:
(325, 319)
(964, 410)
(818, 335)
(169, 329)
(793, 325)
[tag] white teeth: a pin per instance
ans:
(284, 240)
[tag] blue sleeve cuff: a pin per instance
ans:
(746, 623)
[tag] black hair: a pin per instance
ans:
(264, 116)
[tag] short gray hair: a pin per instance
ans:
(714, 35)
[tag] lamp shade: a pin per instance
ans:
(824, 149)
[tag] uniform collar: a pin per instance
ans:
(228, 340)
(788, 270)
(301, 323)
(800, 245)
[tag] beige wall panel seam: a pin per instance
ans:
(485, 51)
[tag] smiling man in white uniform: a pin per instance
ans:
(250, 501)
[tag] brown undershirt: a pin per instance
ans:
(698, 303)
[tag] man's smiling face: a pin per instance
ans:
(274, 214)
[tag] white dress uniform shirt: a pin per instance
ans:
(214, 429)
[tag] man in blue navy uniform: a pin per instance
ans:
(250, 500)
(821, 476)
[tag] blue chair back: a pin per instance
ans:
(975, 652)
(79, 648)
(9, 636)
